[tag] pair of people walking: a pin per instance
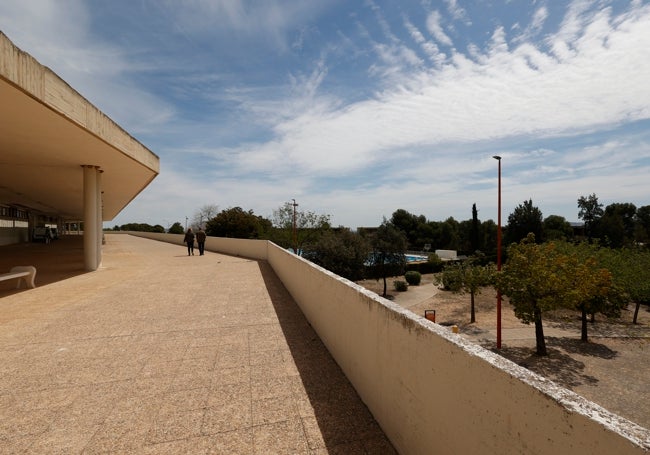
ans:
(200, 240)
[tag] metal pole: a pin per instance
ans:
(295, 234)
(498, 158)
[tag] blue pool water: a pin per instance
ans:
(415, 258)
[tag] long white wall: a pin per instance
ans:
(429, 389)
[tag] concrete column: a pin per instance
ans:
(90, 217)
(100, 217)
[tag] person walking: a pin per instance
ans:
(200, 240)
(189, 239)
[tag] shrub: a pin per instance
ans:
(413, 278)
(400, 285)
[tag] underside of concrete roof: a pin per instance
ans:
(48, 131)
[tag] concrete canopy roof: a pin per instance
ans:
(48, 131)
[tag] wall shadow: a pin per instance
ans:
(344, 421)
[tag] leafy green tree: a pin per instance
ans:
(557, 228)
(340, 251)
(467, 277)
(309, 226)
(410, 225)
(237, 223)
(534, 280)
(591, 287)
(642, 225)
(388, 247)
(176, 228)
(142, 227)
(616, 226)
(525, 219)
(590, 213)
(630, 268)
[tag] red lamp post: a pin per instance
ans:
(498, 158)
(295, 233)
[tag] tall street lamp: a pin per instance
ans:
(498, 158)
(295, 235)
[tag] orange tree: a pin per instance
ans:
(535, 280)
(542, 277)
(467, 277)
(593, 288)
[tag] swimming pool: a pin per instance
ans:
(415, 258)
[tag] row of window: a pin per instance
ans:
(13, 212)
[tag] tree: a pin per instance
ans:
(340, 251)
(409, 224)
(309, 226)
(557, 228)
(176, 228)
(590, 213)
(388, 247)
(204, 214)
(642, 225)
(525, 219)
(467, 277)
(590, 286)
(534, 280)
(236, 223)
(475, 232)
(616, 226)
(630, 268)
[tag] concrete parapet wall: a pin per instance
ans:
(253, 249)
(430, 390)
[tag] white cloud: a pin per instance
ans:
(435, 28)
(500, 96)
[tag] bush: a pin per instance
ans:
(400, 285)
(413, 278)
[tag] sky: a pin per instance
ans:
(358, 108)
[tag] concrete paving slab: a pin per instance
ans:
(158, 352)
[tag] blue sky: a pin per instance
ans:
(358, 108)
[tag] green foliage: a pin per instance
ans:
(141, 227)
(590, 212)
(539, 278)
(413, 278)
(617, 225)
(309, 226)
(424, 267)
(340, 251)
(176, 228)
(388, 247)
(525, 219)
(467, 277)
(237, 223)
(451, 278)
(557, 228)
(400, 285)
(433, 258)
(630, 269)
(534, 280)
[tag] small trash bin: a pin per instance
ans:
(430, 315)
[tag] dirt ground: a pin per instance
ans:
(610, 370)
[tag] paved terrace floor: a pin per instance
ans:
(158, 352)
